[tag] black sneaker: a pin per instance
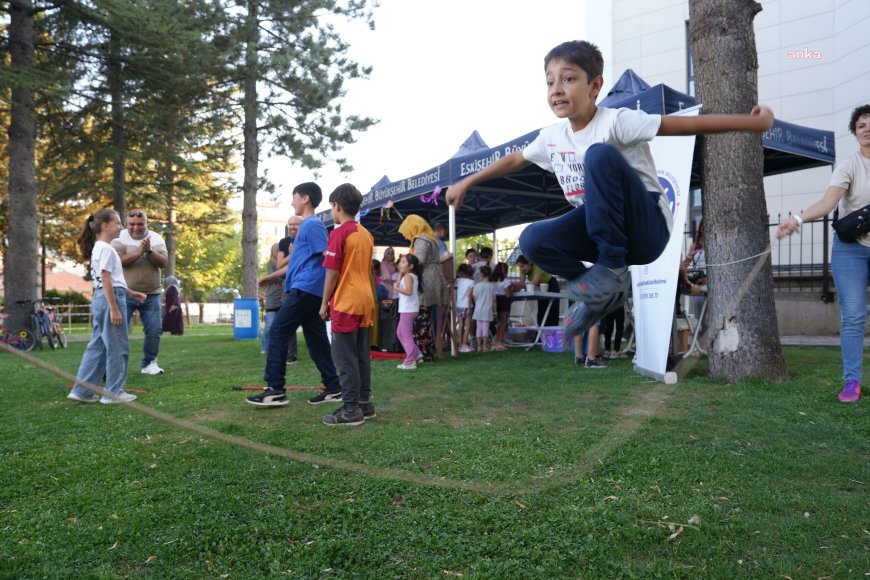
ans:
(269, 398)
(326, 397)
(292, 361)
(345, 416)
(595, 363)
(368, 409)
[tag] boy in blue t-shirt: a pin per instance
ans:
(602, 161)
(303, 284)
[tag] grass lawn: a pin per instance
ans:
(497, 465)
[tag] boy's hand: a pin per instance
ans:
(115, 315)
(324, 311)
(455, 194)
(138, 296)
(764, 113)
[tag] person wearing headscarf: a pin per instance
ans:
(425, 247)
(388, 272)
(172, 321)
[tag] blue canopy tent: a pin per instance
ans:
(534, 194)
(787, 147)
(523, 197)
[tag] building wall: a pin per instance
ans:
(812, 58)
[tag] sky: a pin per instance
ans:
(441, 70)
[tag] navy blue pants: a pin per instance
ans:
(620, 223)
(299, 309)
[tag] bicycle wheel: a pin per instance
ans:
(48, 334)
(34, 330)
(59, 334)
(22, 339)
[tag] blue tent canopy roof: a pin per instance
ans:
(534, 194)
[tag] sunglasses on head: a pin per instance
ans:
(136, 214)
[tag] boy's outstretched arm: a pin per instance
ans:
(504, 166)
(759, 120)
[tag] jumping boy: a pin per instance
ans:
(303, 287)
(602, 160)
(348, 301)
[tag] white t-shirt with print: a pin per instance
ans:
(104, 257)
(561, 150)
(853, 175)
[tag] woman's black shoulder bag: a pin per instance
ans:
(853, 226)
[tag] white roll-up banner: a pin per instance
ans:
(654, 286)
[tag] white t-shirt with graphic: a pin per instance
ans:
(104, 257)
(561, 150)
(853, 175)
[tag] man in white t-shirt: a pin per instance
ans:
(143, 253)
(602, 161)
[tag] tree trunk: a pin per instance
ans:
(171, 219)
(116, 90)
(22, 257)
(251, 157)
(743, 330)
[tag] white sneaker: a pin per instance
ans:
(407, 367)
(121, 397)
(82, 398)
(152, 369)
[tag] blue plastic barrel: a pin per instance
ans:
(246, 318)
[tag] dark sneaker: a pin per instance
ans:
(325, 397)
(292, 361)
(269, 398)
(595, 363)
(368, 410)
(851, 391)
(345, 416)
(598, 284)
(581, 316)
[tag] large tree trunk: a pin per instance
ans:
(251, 157)
(744, 337)
(119, 153)
(22, 257)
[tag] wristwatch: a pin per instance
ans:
(147, 252)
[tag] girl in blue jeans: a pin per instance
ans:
(108, 351)
(849, 189)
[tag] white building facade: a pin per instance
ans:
(813, 67)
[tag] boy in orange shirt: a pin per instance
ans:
(348, 300)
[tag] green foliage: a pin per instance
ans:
(592, 474)
(207, 262)
(67, 296)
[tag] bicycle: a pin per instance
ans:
(56, 326)
(18, 338)
(44, 326)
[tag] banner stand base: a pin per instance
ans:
(668, 378)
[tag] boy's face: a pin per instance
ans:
(299, 202)
(569, 93)
(471, 257)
